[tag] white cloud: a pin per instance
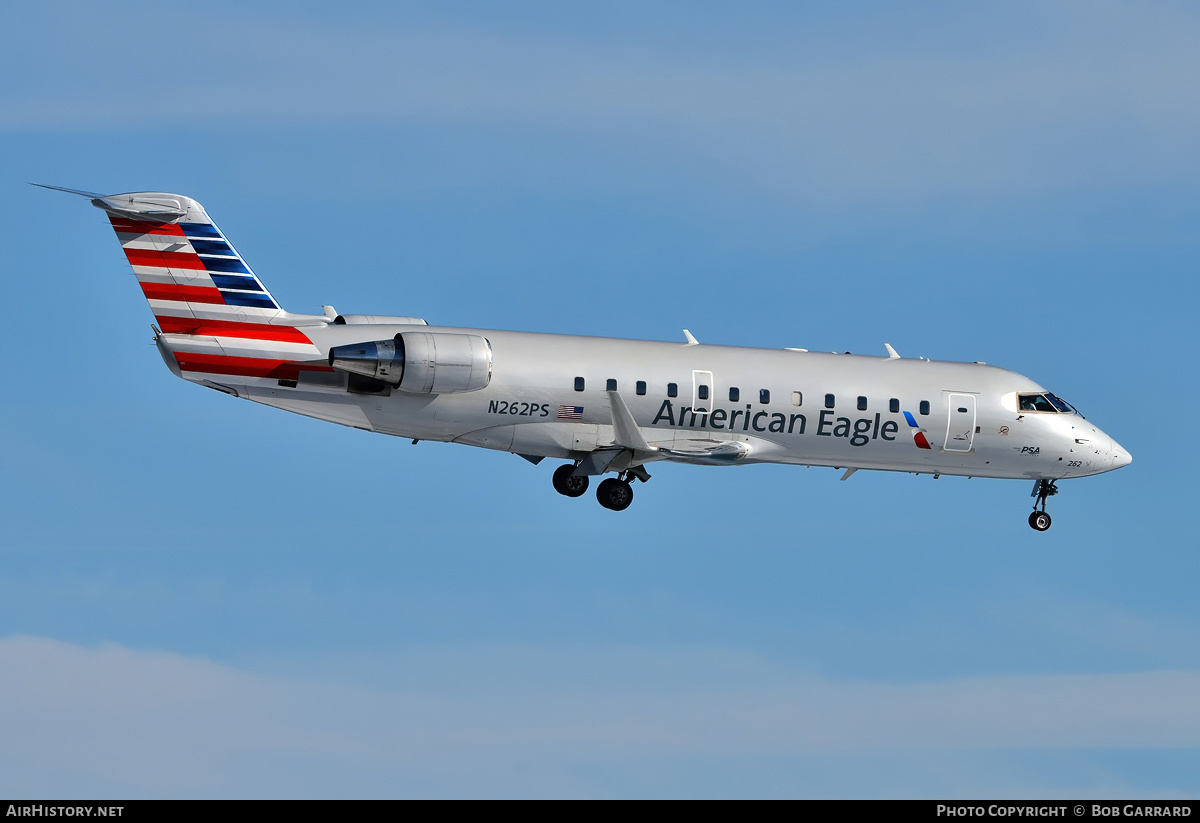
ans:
(113, 720)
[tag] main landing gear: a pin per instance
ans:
(569, 484)
(1042, 489)
(615, 493)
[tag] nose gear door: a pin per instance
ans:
(960, 423)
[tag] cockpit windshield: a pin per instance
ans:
(1060, 404)
(1044, 403)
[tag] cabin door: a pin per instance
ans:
(960, 423)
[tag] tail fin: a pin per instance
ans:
(185, 265)
(217, 315)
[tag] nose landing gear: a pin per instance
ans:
(1042, 489)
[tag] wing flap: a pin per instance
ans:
(706, 452)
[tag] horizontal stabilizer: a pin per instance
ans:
(89, 194)
(149, 206)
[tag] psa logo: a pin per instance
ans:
(918, 433)
(1032, 451)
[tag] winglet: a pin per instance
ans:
(625, 429)
(891, 352)
(691, 341)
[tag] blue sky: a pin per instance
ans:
(203, 597)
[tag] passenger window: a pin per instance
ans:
(894, 405)
(641, 387)
(764, 396)
(578, 384)
(672, 390)
(862, 403)
(702, 392)
(829, 401)
(797, 398)
(734, 394)
(924, 407)
(610, 385)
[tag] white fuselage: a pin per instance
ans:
(531, 406)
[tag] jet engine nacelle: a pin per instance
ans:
(421, 362)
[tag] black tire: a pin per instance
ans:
(568, 484)
(1040, 521)
(614, 494)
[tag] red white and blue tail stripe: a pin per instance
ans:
(189, 262)
(216, 317)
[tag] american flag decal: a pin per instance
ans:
(570, 412)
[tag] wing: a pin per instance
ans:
(630, 447)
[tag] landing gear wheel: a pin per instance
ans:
(567, 483)
(1042, 489)
(1039, 521)
(614, 494)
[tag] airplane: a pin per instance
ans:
(604, 405)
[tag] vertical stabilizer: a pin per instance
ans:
(216, 316)
(187, 261)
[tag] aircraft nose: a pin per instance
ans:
(1120, 456)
